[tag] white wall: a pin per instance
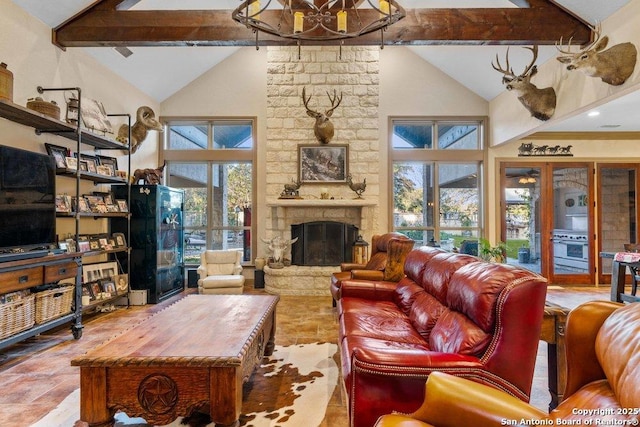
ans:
(26, 48)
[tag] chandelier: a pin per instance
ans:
(318, 20)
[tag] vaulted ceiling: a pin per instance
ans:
(461, 37)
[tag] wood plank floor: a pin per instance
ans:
(35, 375)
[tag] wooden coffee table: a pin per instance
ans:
(194, 354)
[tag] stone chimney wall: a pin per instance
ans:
(320, 69)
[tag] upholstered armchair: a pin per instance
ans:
(388, 252)
(603, 381)
(220, 272)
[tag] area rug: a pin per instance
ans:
(292, 388)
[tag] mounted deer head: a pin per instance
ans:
(323, 128)
(613, 66)
(541, 103)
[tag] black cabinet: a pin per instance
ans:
(157, 241)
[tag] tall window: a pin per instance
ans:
(212, 160)
(437, 166)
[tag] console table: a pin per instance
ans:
(619, 274)
(32, 272)
(552, 332)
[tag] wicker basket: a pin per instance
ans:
(50, 109)
(53, 303)
(16, 316)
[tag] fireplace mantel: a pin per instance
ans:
(320, 203)
(285, 212)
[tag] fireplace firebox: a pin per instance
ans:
(322, 243)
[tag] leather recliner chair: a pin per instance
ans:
(603, 381)
(388, 252)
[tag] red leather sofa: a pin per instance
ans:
(451, 313)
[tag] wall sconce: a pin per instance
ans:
(360, 251)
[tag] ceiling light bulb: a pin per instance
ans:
(593, 113)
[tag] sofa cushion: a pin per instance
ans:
(406, 293)
(384, 321)
(617, 347)
(438, 272)
(425, 312)
(474, 290)
(222, 281)
(455, 333)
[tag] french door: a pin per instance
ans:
(547, 213)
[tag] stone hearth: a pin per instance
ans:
(297, 280)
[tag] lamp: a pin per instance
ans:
(529, 178)
(360, 253)
(318, 20)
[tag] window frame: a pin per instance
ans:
(212, 155)
(436, 156)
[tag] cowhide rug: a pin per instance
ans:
(292, 388)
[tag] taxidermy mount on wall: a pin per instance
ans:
(323, 128)
(145, 121)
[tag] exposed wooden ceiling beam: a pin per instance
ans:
(103, 24)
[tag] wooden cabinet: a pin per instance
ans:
(31, 274)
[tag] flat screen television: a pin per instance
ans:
(27, 200)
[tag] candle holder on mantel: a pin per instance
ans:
(324, 193)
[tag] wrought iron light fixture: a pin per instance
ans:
(318, 21)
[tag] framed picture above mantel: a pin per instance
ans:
(322, 164)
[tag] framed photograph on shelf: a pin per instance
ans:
(120, 240)
(91, 272)
(94, 244)
(110, 162)
(72, 163)
(82, 164)
(86, 290)
(71, 245)
(63, 203)
(122, 283)
(84, 246)
(92, 162)
(83, 205)
(96, 290)
(109, 269)
(108, 287)
(319, 164)
(104, 170)
(122, 205)
(58, 153)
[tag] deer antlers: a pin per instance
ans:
(329, 112)
(323, 128)
(508, 71)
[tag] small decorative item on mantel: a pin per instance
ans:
(291, 190)
(358, 187)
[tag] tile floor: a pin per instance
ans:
(35, 374)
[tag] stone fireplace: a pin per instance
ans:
(354, 73)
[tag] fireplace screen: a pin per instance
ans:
(322, 243)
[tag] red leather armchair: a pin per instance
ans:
(603, 381)
(388, 252)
